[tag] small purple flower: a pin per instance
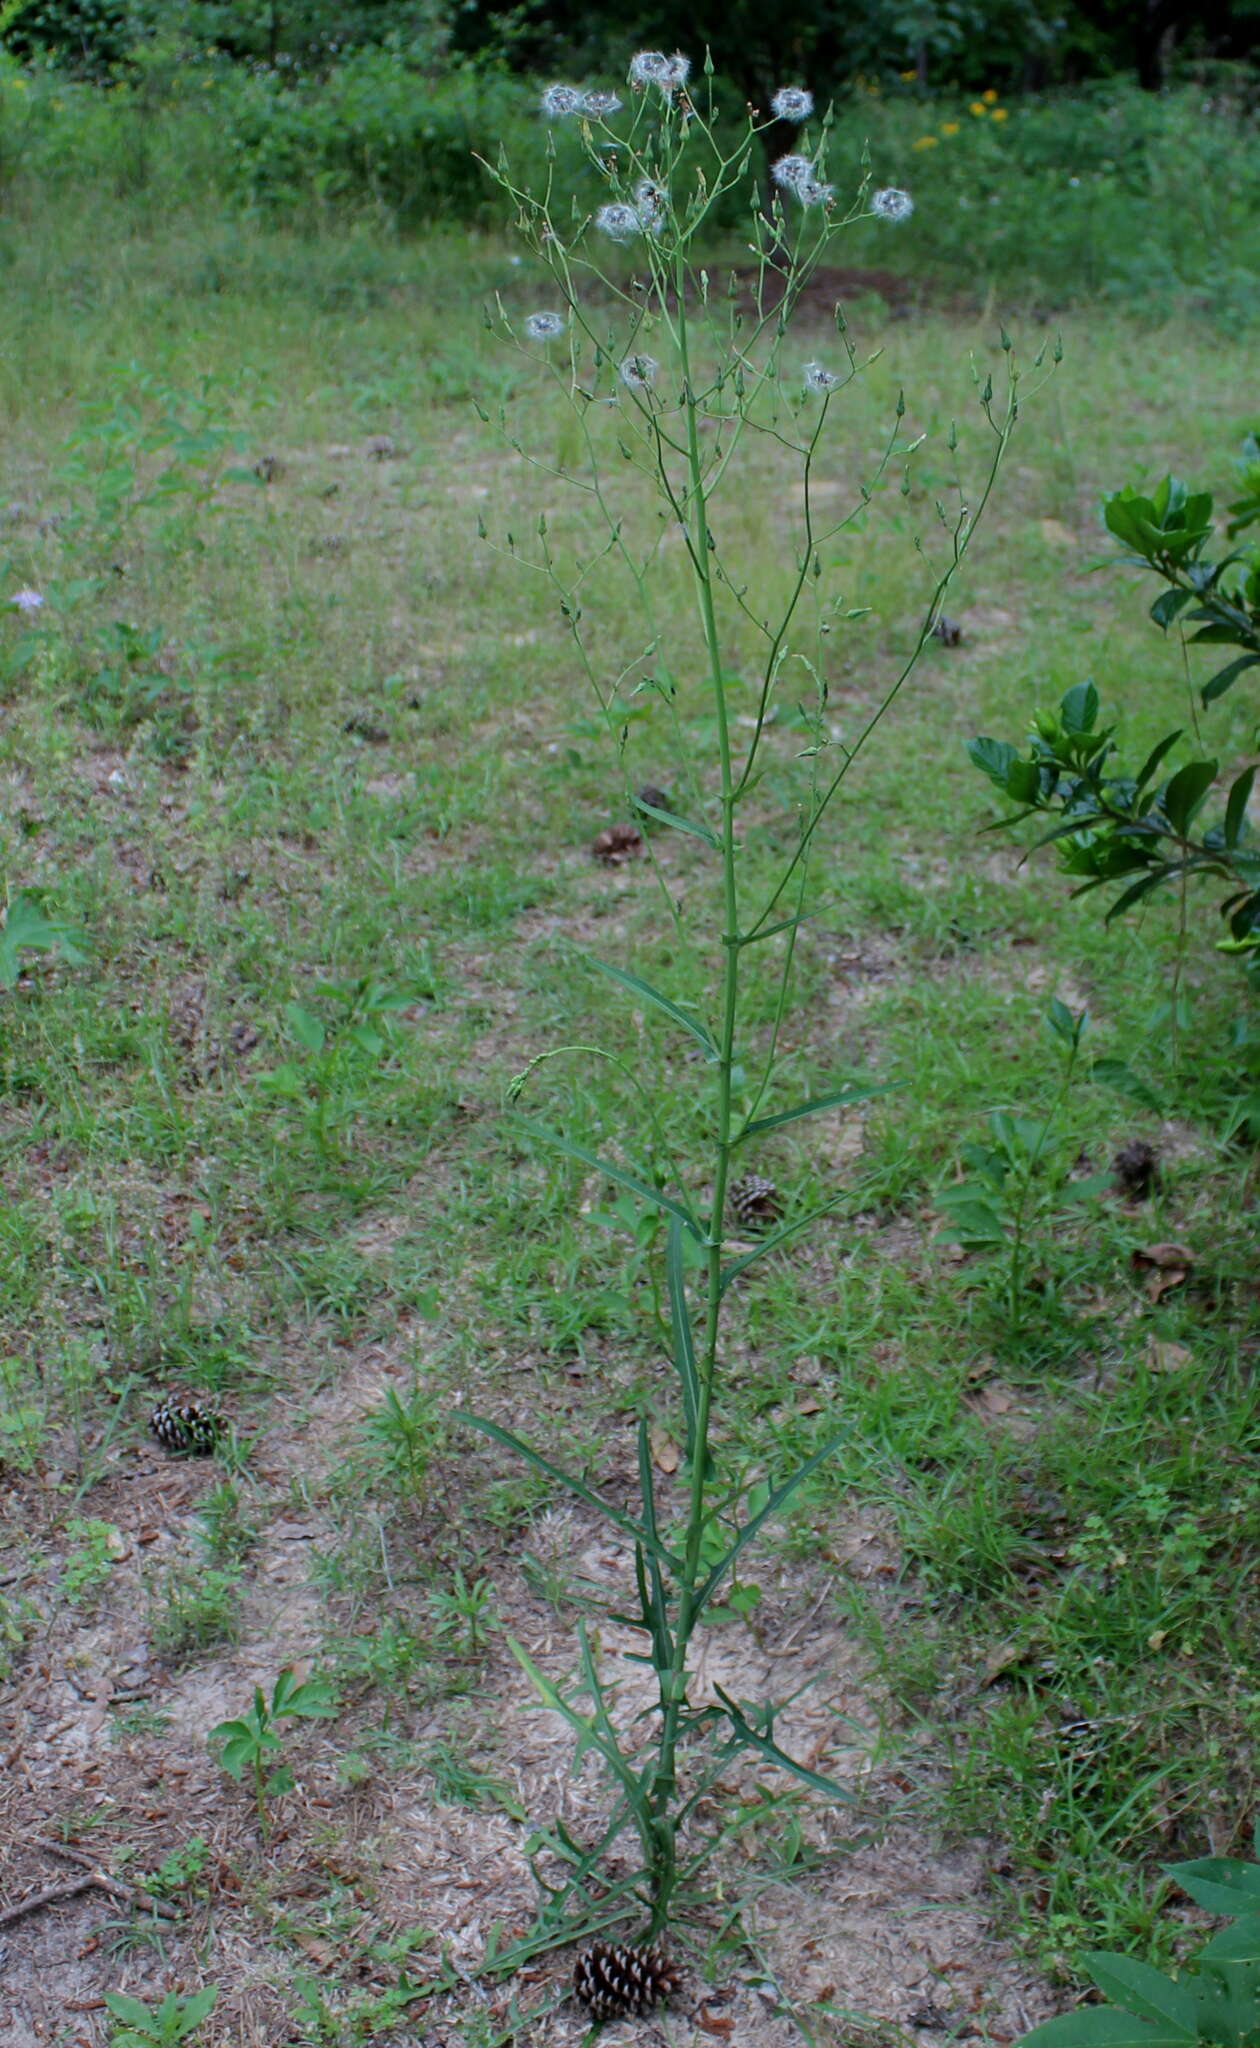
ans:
(27, 601)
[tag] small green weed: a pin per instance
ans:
(166, 2025)
(251, 1740)
(87, 1568)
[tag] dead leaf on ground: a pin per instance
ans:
(666, 1455)
(1164, 1356)
(1165, 1266)
(991, 1400)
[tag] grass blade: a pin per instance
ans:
(620, 1174)
(595, 1500)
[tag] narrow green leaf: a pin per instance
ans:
(753, 1738)
(680, 824)
(852, 1091)
(637, 986)
(1154, 758)
(1235, 823)
(684, 1338)
(575, 1486)
(618, 1173)
(771, 1507)
(1220, 682)
(1115, 1074)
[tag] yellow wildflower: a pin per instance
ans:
(978, 107)
(949, 127)
(908, 74)
(988, 97)
(924, 142)
(998, 114)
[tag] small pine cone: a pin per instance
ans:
(1136, 1168)
(617, 845)
(657, 798)
(186, 1428)
(611, 1979)
(755, 1201)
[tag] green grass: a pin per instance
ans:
(201, 1196)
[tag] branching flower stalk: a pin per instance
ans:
(681, 378)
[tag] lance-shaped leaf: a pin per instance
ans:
(1224, 1884)
(684, 1343)
(674, 1011)
(1101, 2026)
(772, 1505)
(609, 1167)
(679, 824)
(1143, 1991)
(754, 1738)
(626, 1523)
(838, 1098)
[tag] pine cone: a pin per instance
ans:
(610, 1979)
(755, 1201)
(617, 845)
(1136, 1168)
(186, 1428)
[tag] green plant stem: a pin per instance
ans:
(673, 1681)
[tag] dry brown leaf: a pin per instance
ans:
(714, 2022)
(1162, 1355)
(617, 845)
(809, 1406)
(1165, 1265)
(666, 1455)
(1001, 1659)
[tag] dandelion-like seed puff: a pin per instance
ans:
(638, 373)
(560, 100)
(651, 203)
(619, 222)
(792, 172)
(600, 105)
(544, 326)
(892, 204)
(27, 601)
(819, 378)
(653, 67)
(792, 103)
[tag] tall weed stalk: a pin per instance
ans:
(676, 386)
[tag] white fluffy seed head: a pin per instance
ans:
(892, 204)
(559, 100)
(544, 326)
(792, 172)
(819, 378)
(792, 103)
(653, 67)
(638, 372)
(600, 106)
(619, 222)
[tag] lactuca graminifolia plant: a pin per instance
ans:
(675, 386)
(1215, 1999)
(252, 1740)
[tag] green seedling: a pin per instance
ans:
(250, 1742)
(177, 2019)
